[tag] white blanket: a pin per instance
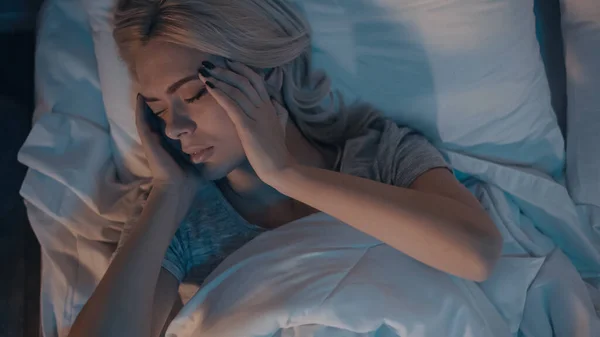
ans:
(319, 277)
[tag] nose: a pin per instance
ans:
(178, 123)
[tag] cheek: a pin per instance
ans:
(212, 120)
(228, 137)
(228, 127)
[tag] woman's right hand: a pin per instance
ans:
(165, 169)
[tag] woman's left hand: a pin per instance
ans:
(259, 119)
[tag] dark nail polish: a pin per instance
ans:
(208, 65)
(204, 72)
(210, 85)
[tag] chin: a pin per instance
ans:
(216, 171)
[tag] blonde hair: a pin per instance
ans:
(258, 33)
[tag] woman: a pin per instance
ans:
(231, 82)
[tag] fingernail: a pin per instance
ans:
(210, 85)
(208, 65)
(204, 72)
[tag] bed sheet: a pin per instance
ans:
(581, 29)
(78, 195)
(69, 155)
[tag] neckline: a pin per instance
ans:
(232, 210)
(249, 225)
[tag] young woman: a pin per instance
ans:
(266, 143)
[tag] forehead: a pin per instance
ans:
(159, 65)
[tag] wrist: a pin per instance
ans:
(185, 189)
(171, 201)
(281, 179)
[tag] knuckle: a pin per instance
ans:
(228, 90)
(235, 92)
(253, 75)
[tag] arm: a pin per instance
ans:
(442, 228)
(436, 221)
(165, 297)
(122, 304)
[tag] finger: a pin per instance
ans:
(233, 109)
(144, 123)
(233, 93)
(141, 119)
(235, 80)
(255, 79)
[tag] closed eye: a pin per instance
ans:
(153, 110)
(198, 95)
(158, 113)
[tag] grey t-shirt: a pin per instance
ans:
(212, 229)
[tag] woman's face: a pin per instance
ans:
(168, 78)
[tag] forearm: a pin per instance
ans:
(121, 305)
(433, 229)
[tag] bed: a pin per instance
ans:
(468, 74)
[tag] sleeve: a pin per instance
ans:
(176, 259)
(410, 155)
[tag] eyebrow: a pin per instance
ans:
(174, 87)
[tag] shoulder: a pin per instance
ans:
(210, 230)
(212, 219)
(389, 153)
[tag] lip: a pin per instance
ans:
(200, 155)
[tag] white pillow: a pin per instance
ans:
(581, 31)
(117, 93)
(466, 73)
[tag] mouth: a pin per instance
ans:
(198, 156)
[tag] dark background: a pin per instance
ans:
(19, 250)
